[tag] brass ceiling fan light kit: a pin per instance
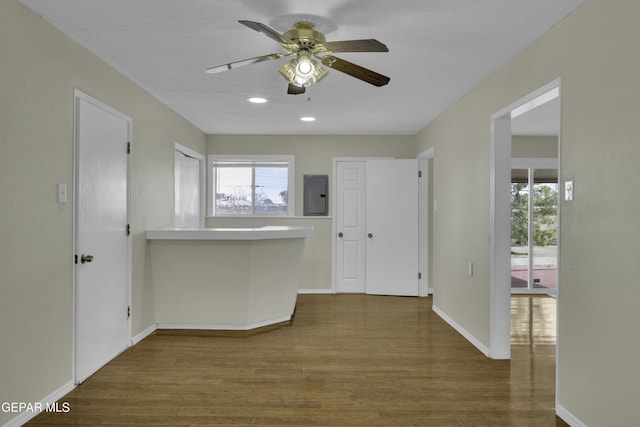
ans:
(312, 56)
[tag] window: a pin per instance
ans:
(251, 185)
(188, 181)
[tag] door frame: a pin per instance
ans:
(202, 180)
(77, 96)
(424, 214)
(500, 219)
(423, 218)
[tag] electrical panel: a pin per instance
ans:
(316, 201)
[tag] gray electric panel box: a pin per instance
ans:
(316, 201)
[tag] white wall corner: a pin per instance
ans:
(142, 335)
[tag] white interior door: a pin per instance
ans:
(102, 242)
(392, 227)
(350, 226)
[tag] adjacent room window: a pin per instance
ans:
(188, 181)
(252, 185)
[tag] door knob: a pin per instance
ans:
(370, 235)
(86, 258)
(340, 234)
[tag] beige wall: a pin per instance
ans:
(39, 72)
(313, 156)
(534, 146)
(595, 53)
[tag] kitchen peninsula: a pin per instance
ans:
(225, 278)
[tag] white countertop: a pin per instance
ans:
(261, 233)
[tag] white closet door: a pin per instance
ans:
(350, 224)
(392, 227)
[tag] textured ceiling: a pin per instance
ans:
(439, 50)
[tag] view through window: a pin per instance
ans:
(534, 240)
(252, 186)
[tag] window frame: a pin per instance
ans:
(248, 158)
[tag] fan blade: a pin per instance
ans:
(354, 70)
(295, 90)
(368, 45)
(242, 63)
(269, 32)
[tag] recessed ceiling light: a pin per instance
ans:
(308, 119)
(257, 100)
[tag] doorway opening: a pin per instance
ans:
(425, 221)
(540, 109)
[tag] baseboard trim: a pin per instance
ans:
(224, 326)
(568, 417)
(315, 291)
(477, 344)
(142, 335)
(52, 398)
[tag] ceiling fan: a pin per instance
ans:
(307, 45)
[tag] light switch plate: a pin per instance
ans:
(568, 191)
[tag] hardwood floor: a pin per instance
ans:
(345, 360)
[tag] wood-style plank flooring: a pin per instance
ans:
(345, 360)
